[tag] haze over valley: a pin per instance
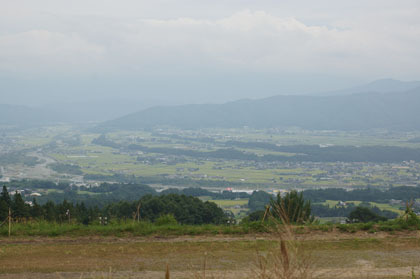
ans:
(209, 139)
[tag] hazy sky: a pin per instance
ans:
(200, 50)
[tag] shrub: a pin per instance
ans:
(367, 226)
(292, 208)
(387, 227)
(364, 215)
(342, 228)
(167, 219)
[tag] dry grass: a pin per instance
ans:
(367, 257)
(288, 259)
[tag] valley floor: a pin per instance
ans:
(330, 255)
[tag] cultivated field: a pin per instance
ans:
(178, 154)
(330, 255)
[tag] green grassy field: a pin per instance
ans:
(95, 159)
(381, 206)
(238, 207)
(145, 228)
(230, 203)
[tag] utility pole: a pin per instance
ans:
(68, 214)
(10, 221)
(136, 215)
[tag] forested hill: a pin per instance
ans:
(347, 112)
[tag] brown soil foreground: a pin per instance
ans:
(331, 255)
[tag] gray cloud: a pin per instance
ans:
(81, 39)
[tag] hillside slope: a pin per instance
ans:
(348, 112)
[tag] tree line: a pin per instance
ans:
(185, 210)
(107, 193)
(404, 193)
(164, 180)
(308, 153)
(259, 200)
(315, 153)
(345, 211)
(110, 192)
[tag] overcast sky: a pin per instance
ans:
(190, 51)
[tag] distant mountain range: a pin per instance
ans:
(386, 103)
(367, 110)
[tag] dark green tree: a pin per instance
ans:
(256, 216)
(5, 196)
(186, 209)
(259, 200)
(291, 209)
(82, 214)
(36, 210)
(50, 211)
(19, 208)
(4, 210)
(364, 215)
(5, 203)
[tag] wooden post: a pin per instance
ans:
(167, 275)
(136, 215)
(10, 221)
(267, 208)
(138, 212)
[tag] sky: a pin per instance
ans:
(206, 51)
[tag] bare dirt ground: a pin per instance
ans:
(333, 255)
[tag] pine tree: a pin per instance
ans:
(4, 210)
(292, 208)
(5, 196)
(50, 211)
(19, 208)
(36, 210)
(5, 203)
